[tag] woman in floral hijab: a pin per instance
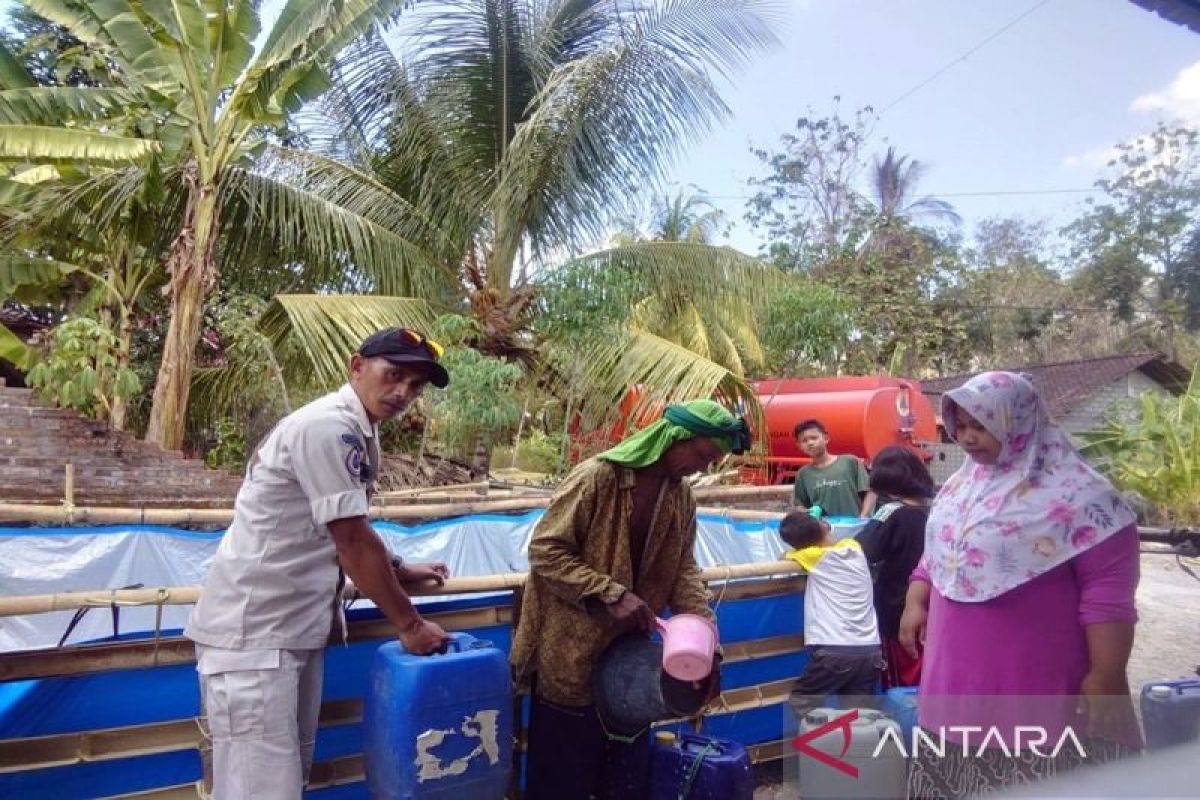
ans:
(1024, 597)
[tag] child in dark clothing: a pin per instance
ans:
(893, 542)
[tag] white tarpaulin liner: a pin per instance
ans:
(49, 560)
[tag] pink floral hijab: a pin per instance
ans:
(992, 528)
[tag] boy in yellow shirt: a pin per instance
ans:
(840, 628)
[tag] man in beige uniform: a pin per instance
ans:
(272, 592)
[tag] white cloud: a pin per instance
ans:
(1092, 159)
(1179, 100)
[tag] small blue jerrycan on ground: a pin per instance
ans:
(439, 726)
(1171, 712)
(900, 703)
(691, 767)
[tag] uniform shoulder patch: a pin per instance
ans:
(354, 457)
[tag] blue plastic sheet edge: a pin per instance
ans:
(391, 527)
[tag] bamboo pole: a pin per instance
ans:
(219, 518)
(222, 517)
(717, 494)
(69, 486)
(187, 595)
(452, 494)
(19, 512)
(446, 488)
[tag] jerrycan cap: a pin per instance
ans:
(664, 737)
(1160, 692)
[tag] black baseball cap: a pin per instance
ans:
(405, 346)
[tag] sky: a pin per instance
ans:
(1037, 108)
(1046, 88)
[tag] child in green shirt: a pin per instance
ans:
(838, 484)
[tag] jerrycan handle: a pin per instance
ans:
(463, 642)
(690, 742)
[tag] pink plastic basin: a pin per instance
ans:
(689, 642)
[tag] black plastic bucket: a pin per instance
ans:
(631, 691)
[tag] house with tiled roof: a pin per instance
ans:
(1079, 393)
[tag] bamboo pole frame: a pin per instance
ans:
(174, 650)
(70, 514)
(188, 595)
(222, 517)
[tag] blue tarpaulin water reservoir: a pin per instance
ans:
(39, 560)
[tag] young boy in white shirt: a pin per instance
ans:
(840, 628)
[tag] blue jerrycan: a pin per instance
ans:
(1171, 712)
(439, 726)
(691, 767)
(900, 703)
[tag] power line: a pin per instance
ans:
(973, 307)
(964, 56)
(1000, 192)
(992, 193)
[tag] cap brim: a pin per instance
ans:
(437, 373)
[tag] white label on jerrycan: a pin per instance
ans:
(481, 726)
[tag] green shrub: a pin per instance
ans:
(540, 453)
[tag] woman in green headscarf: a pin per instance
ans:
(614, 548)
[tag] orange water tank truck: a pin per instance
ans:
(863, 415)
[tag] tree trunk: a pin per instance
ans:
(192, 274)
(124, 349)
(520, 430)
(481, 461)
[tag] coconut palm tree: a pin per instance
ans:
(193, 132)
(679, 217)
(894, 182)
(518, 126)
(725, 333)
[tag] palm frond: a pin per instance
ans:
(725, 332)
(97, 206)
(326, 329)
(560, 31)
(338, 220)
(701, 272)
(608, 123)
(473, 50)
(666, 373)
(414, 132)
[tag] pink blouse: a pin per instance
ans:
(1018, 659)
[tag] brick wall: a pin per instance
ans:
(112, 468)
(1091, 413)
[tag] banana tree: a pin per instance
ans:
(205, 108)
(1155, 451)
(24, 279)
